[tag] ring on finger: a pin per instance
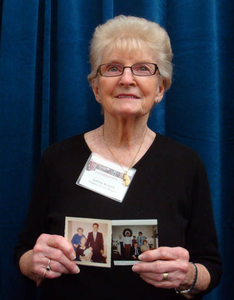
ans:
(165, 276)
(47, 269)
(48, 266)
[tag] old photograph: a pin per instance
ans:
(132, 237)
(91, 240)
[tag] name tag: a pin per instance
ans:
(105, 178)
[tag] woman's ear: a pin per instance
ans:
(161, 91)
(95, 89)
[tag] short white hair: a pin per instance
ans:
(132, 34)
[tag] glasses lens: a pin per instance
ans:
(139, 69)
(111, 70)
(144, 69)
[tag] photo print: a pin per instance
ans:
(132, 237)
(91, 240)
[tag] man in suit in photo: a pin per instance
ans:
(140, 239)
(95, 240)
(135, 251)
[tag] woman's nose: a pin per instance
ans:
(127, 78)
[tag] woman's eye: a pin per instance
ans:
(114, 68)
(143, 68)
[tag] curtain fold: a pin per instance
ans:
(45, 97)
(45, 114)
(18, 132)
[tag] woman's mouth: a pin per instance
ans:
(127, 96)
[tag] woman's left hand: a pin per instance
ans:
(164, 267)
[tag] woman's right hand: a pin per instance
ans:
(52, 250)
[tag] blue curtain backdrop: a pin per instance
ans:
(45, 97)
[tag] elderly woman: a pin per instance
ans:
(131, 70)
(77, 238)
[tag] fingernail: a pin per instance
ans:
(72, 256)
(76, 270)
(141, 256)
(135, 268)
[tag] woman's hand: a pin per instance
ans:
(170, 268)
(54, 250)
(174, 261)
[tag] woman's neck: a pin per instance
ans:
(124, 133)
(123, 142)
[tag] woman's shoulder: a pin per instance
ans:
(70, 145)
(170, 145)
(175, 152)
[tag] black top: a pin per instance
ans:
(170, 185)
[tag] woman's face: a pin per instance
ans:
(128, 95)
(80, 232)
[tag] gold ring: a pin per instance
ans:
(44, 273)
(165, 276)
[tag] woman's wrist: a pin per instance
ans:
(202, 281)
(26, 266)
(189, 286)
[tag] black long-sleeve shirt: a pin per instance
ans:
(170, 185)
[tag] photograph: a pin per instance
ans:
(130, 238)
(91, 240)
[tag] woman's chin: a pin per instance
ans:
(127, 112)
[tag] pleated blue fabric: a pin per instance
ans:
(45, 97)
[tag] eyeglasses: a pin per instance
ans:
(139, 69)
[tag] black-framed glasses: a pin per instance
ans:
(139, 69)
